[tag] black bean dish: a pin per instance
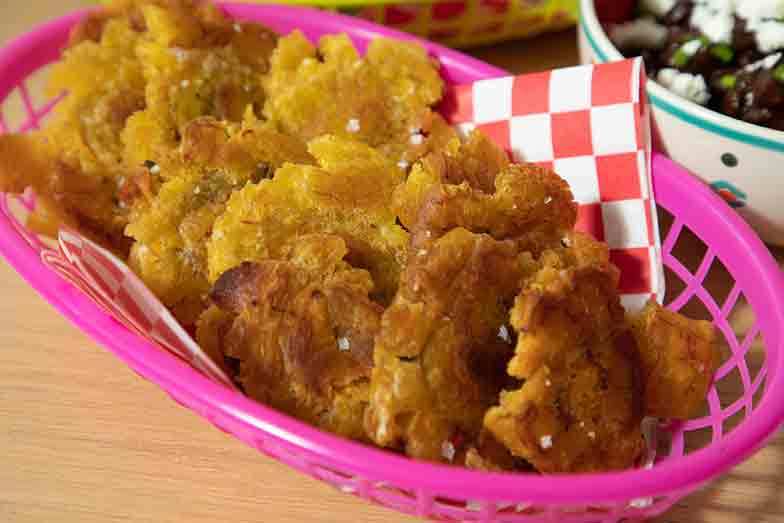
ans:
(722, 54)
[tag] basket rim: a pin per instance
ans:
(172, 374)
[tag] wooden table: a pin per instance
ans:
(84, 440)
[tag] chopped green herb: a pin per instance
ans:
(723, 52)
(680, 58)
(728, 81)
(778, 73)
(683, 54)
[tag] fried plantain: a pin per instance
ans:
(302, 328)
(346, 194)
(679, 357)
(172, 229)
(383, 99)
(580, 406)
(136, 73)
(531, 206)
(439, 358)
(196, 62)
(477, 162)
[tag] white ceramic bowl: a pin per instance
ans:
(742, 161)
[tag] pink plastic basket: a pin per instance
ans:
(733, 427)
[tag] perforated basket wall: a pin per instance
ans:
(717, 269)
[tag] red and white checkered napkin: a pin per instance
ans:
(590, 124)
(112, 285)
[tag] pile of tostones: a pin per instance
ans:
(342, 252)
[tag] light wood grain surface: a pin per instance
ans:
(83, 440)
